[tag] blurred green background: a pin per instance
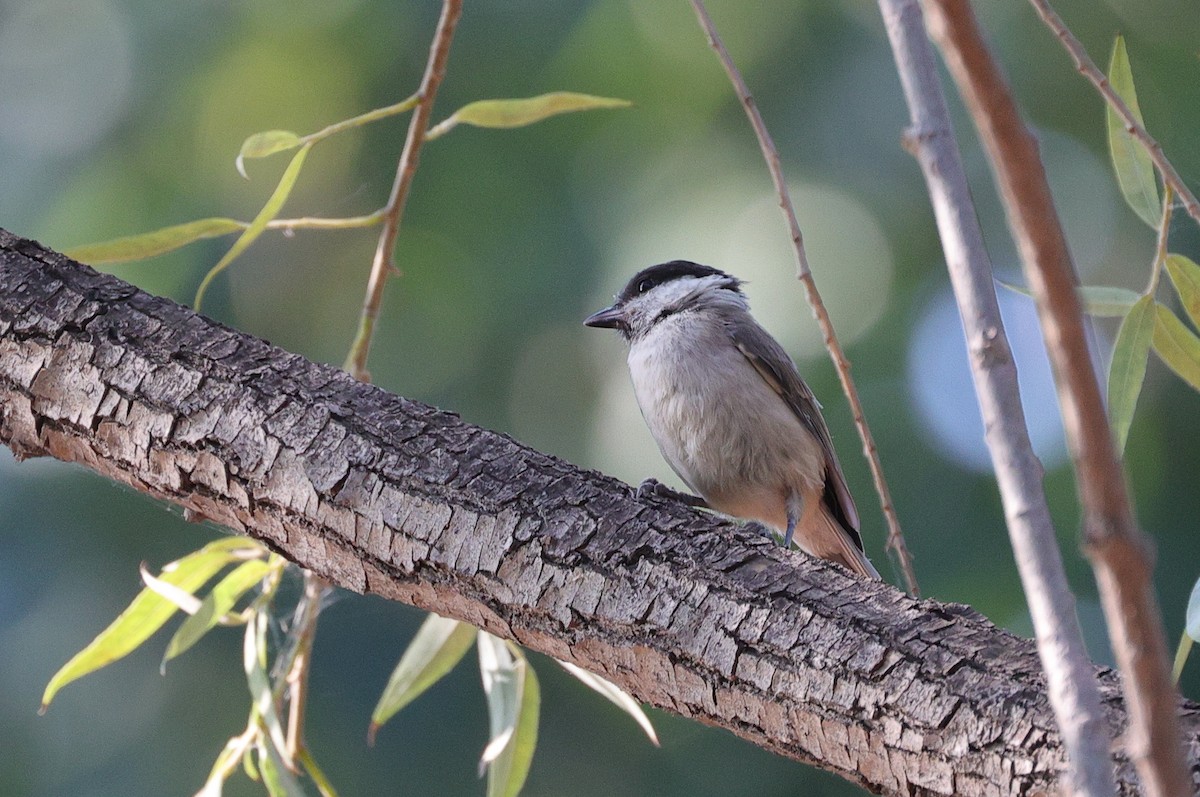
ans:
(120, 116)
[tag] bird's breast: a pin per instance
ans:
(718, 424)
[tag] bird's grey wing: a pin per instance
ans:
(777, 369)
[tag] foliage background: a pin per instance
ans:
(119, 116)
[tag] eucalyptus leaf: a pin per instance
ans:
(149, 610)
(1128, 368)
(1177, 346)
(1101, 301)
(438, 646)
(618, 696)
(255, 228)
(216, 604)
(265, 144)
(1131, 161)
(524, 111)
(1185, 276)
(153, 243)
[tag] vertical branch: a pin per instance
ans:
(1085, 66)
(895, 540)
(384, 264)
(1074, 694)
(1118, 551)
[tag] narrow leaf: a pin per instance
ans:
(1128, 367)
(1192, 621)
(438, 646)
(265, 144)
(156, 242)
(1177, 346)
(216, 604)
(1101, 301)
(1185, 276)
(514, 705)
(1181, 656)
(276, 775)
(618, 696)
(223, 767)
(254, 659)
(524, 111)
(1135, 170)
(270, 210)
(184, 600)
(148, 611)
(324, 785)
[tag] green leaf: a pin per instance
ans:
(156, 242)
(1101, 301)
(216, 604)
(438, 646)
(254, 229)
(514, 703)
(1128, 367)
(1191, 630)
(223, 767)
(324, 785)
(524, 111)
(276, 775)
(1177, 346)
(1135, 170)
(1185, 276)
(265, 144)
(254, 660)
(1192, 622)
(618, 696)
(149, 611)
(1181, 656)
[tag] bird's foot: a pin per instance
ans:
(761, 530)
(653, 488)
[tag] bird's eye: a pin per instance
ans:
(645, 285)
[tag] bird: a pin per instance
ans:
(730, 412)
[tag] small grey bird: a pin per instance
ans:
(729, 410)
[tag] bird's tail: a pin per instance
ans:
(821, 534)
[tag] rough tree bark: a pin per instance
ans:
(385, 495)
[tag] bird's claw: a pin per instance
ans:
(653, 488)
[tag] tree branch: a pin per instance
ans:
(384, 264)
(380, 494)
(1072, 682)
(1119, 553)
(895, 538)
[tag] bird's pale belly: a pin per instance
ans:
(727, 433)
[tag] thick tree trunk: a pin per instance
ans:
(381, 494)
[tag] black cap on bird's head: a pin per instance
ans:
(646, 280)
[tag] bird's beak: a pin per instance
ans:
(609, 318)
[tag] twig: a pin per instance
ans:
(1074, 694)
(309, 608)
(895, 540)
(384, 263)
(1160, 245)
(1118, 551)
(1088, 68)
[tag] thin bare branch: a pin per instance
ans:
(1074, 693)
(1088, 68)
(1118, 551)
(384, 263)
(895, 540)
